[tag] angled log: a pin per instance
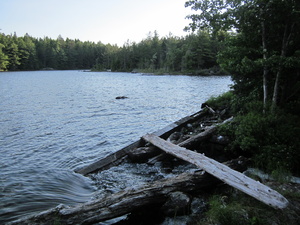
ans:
(210, 109)
(189, 143)
(109, 161)
(233, 178)
(192, 141)
(129, 200)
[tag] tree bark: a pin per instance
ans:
(129, 200)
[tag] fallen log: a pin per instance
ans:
(129, 200)
(222, 172)
(117, 157)
(192, 141)
(210, 109)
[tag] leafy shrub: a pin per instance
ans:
(271, 139)
(222, 101)
(221, 212)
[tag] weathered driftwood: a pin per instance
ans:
(192, 141)
(222, 172)
(210, 109)
(118, 156)
(202, 136)
(109, 161)
(157, 158)
(129, 200)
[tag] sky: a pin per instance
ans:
(107, 21)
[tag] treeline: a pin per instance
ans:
(29, 53)
(195, 53)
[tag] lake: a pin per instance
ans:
(54, 122)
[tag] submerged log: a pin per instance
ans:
(129, 200)
(142, 154)
(120, 155)
(109, 161)
(222, 172)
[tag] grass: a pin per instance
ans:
(228, 206)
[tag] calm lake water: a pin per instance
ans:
(53, 122)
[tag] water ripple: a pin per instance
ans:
(53, 122)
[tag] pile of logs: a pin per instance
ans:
(129, 200)
(149, 149)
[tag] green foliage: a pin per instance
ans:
(28, 53)
(3, 59)
(264, 47)
(234, 207)
(281, 175)
(262, 56)
(193, 54)
(271, 139)
(221, 101)
(228, 213)
(13, 54)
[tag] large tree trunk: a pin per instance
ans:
(222, 172)
(129, 200)
(285, 42)
(265, 67)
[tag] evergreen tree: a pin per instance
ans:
(3, 59)
(264, 48)
(168, 54)
(12, 51)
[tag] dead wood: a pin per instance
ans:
(129, 200)
(191, 142)
(207, 133)
(222, 172)
(142, 154)
(119, 156)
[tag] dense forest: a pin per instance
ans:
(195, 53)
(262, 54)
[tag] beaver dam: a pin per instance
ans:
(169, 170)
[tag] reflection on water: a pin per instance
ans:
(53, 122)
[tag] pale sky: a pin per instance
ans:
(108, 21)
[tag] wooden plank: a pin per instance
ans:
(192, 141)
(231, 177)
(108, 161)
(166, 131)
(116, 157)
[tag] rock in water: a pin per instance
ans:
(121, 97)
(177, 204)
